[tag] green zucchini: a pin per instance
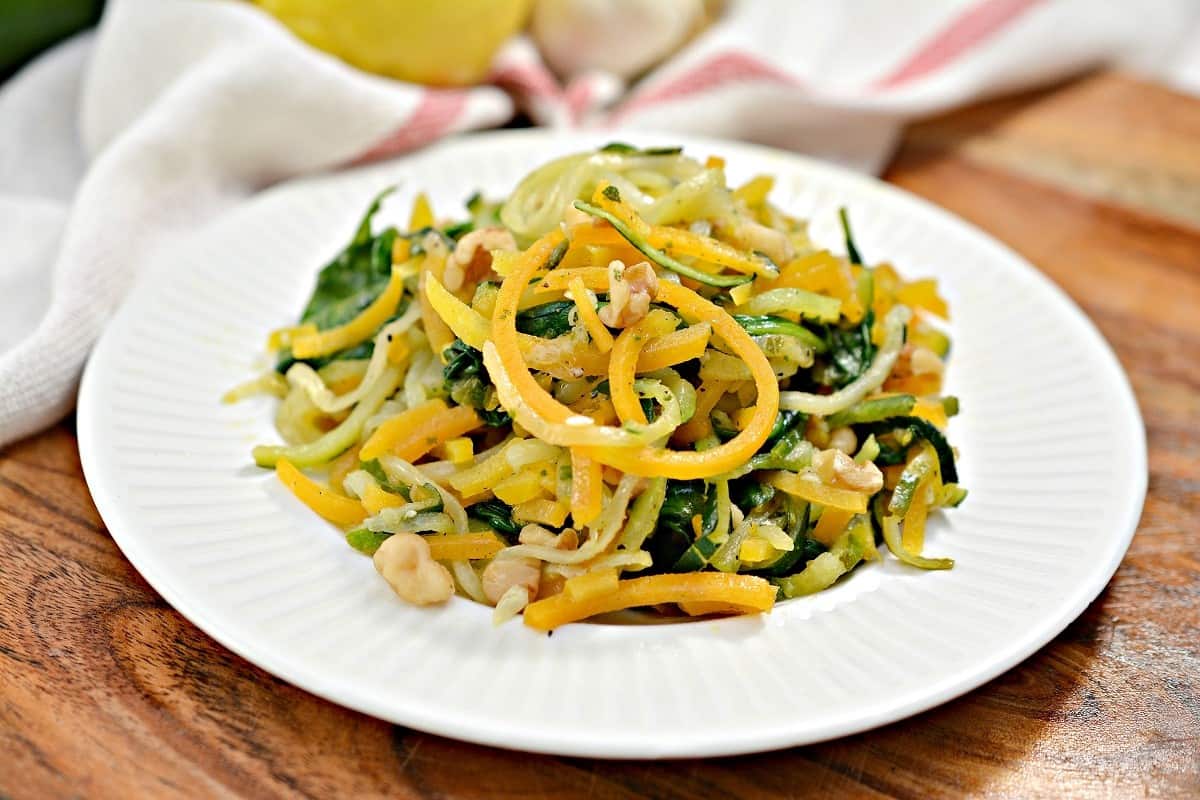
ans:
(483, 213)
(866, 287)
(922, 334)
(803, 549)
(791, 452)
(851, 248)
(818, 574)
(891, 535)
(727, 557)
(555, 257)
(950, 495)
(458, 230)
(723, 425)
(341, 438)
(795, 301)
(658, 256)
(916, 471)
(697, 556)
(824, 570)
(766, 324)
(923, 429)
(869, 451)
(873, 410)
(376, 471)
(365, 541)
(417, 240)
(625, 149)
(643, 514)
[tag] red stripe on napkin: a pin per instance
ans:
(532, 79)
(578, 97)
(723, 69)
(977, 24)
(433, 117)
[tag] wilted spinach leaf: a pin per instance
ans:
(462, 361)
(355, 277)
(749, 492)
(468, 383)
(458, 230)
(851, 248)
(921, 429)
(547, 320)
(495, 418)
(850, 352)
(673, 534)
(349, 283)
(498, 515)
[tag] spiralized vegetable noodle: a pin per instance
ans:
(628, 384)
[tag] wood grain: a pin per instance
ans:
(105, 691)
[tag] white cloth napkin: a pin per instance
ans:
(178, 110)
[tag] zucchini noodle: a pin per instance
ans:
(607, 527)
(667, 375)
(633, 560)
(468, 580)
(398, 469)
(305, 377)
(539, 202)
(576, 430)
(873, 378)
(341, 438)
(401, 520)
(271, 384)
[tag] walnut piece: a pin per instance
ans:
(504, 573)
(405, 562)
(759, 238)
(472, 256)
(630, 290)
(838, 469)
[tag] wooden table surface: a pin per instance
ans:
(105, 691)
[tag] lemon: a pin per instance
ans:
(437, 42)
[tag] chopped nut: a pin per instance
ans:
(838, 469)
(754, 236)
(843, 439)
(406, 564)
(472, 256)
(536, 534)
(915, 360)
(630, 291)
(923, 361)
(504, 573)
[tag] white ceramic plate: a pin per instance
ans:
(1052, 446)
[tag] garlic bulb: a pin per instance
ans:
(622, 37)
